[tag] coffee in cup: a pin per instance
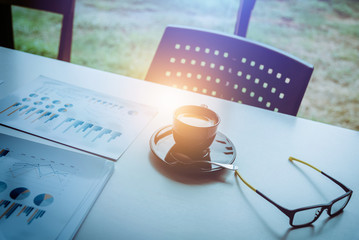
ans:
(194, 128)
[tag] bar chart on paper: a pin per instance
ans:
(74, 116)
(42, 188)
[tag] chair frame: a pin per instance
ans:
(63, 7)
(243, 17)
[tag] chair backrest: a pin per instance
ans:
(243, 17)
(230, 67)
(63, 7)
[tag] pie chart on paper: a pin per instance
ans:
(19, 193)
(43, 200)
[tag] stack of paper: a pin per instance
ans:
(46, 192)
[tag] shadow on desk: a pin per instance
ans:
(185, 177)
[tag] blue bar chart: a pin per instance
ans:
(76, 117)
(13, 209)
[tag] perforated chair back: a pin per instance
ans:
(230, 67)
(63, 7)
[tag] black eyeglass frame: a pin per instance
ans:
(291, 213)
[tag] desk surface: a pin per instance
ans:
(146, 200)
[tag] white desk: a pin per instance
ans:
(144, 200)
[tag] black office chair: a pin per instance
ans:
(230, 67)
(63, 7)
(243, 17)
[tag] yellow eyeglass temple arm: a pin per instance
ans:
(245, 182)
(290, 159)
(296, 159)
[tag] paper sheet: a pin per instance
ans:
(46, 192)
(77, 117)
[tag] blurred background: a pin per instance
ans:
(121, 36)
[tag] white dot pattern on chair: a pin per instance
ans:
(236, 69)
(235, 86)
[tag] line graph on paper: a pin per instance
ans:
(21, 167)
(41, 171)
(76, 117)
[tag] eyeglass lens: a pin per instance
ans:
(339, 205)
(306, 216)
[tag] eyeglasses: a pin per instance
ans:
(305, 216)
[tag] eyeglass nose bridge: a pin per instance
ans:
(319, 212)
